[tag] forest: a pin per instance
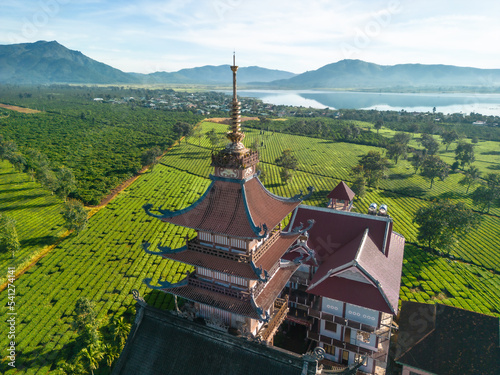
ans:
(101, 143)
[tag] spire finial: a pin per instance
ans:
(235, 135)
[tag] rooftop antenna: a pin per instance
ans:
(234, 68)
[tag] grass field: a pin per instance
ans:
(105, 262)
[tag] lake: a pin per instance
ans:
(486, 104)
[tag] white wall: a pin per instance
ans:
(362, 315)
(332, 306)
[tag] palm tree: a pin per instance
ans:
(121, 329)
(72, 369)
(110, 353)
(92, 355)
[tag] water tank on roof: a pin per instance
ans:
(372, 209)
(382, 211)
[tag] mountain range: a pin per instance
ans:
(50, 62)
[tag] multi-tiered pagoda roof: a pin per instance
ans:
(234, 207)
(239, 233)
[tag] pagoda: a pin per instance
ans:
(236, 253)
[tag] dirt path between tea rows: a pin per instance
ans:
(19, 109)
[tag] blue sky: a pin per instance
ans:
(295, 35)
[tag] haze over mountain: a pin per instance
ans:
(49, 62)
(214, 75)
(361, 74)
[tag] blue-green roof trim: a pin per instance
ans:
(165, 214)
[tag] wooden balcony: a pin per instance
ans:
(381, 331)
(236, 293)
(301, 298)
(269, 329)
(195, 245)
(379, 354)
(299, 316)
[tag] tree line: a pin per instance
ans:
(60, 181)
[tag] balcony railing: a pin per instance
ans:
(240, 294)
(261, 250)
(196, 246)
(279, 315)
(257, 288)
(299, 316)
(301, 298)
(300, 278)
(379, 354)
(381, 331)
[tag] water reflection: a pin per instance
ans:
(487, 104)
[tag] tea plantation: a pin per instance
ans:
(105, 262)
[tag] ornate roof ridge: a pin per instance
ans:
(257, 230)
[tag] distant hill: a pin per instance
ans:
(215, 75)
(361, 74)
(49, 62)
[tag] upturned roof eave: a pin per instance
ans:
(167, 214)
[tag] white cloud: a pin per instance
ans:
(295, 35)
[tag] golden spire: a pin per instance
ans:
(235, 135)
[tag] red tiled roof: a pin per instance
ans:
(234, 209)
(342, 191)
(266, 207)
(386, 269)
(214, 262)
(354, 292)
(265, 299)
(341, 259)
(276, 251)
(376, 267)
(333, 229)
(215, 299)
(274, 286)
(343, 240)
(222, 211)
